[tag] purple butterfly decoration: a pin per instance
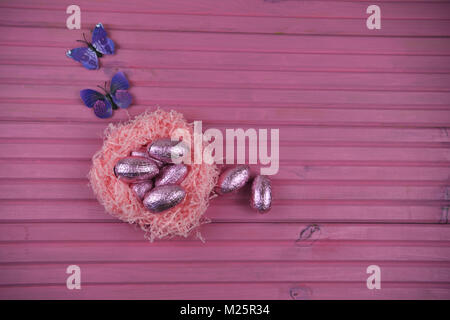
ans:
(88, 56)
(104, 104)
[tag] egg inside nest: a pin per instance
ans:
(118, 198)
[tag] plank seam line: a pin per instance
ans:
(291, 69)
(61, 285)
(105, 10)
(405, 53)
(278, 34)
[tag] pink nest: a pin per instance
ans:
(118, 198)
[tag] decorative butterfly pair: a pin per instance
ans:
(117, 96)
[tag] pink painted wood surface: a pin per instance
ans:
(364, 119)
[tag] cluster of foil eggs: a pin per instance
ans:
(235, 178)
(155, 178)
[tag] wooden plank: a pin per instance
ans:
(231, 291)
(306, 211)
(72, 169)
(79, 190)
(232, 79)
(13, 17)
(60, 94)
(204, 60)
(164, 40)
(301, 233)
(338, 9)
(84, 150)
(181, 251)
(243, 114)
(93, 130)
(169, 272)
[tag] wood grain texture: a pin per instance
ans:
(364, 119)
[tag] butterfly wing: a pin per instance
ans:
(118, 90)
(119, 82)
(94, 99)
(122, 99)
(103, 109)
(100, 41)
(90, 97)
(85, 56)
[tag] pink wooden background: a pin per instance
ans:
(363, 118)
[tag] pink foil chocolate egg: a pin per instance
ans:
(139, 153)
(159, 163)
(135, 169)
(163, 198)
(171, 174)
(261, 196)
(144, 153)
(232, 179)
(167, 150)
(141, 188)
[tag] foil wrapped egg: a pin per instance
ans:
(171, 174)
(167, 150)
(139, 153)
(144, 153)
(163, 198)
(232, 179)
(135, 169)
(141, 188)
(261, 196)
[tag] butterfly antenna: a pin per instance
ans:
(102, 88)
(84, 41)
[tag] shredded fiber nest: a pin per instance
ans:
(118, 198)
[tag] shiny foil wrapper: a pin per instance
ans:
(261, 197)
(159, 163)
(135, 169)
(167, 150)
(140, 153)
(163, 198)
(171, 174)
(144, 153)
(232, 179)
(141, 188)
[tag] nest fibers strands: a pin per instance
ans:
(118, 198)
